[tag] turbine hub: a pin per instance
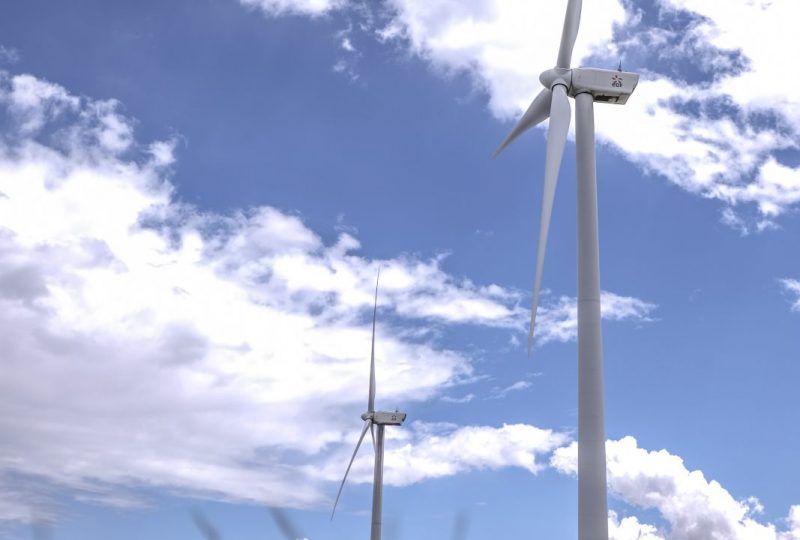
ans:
(605, 85)
(555, 76)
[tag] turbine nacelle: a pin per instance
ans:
(555, 76)
(605, 85)
(382, 418)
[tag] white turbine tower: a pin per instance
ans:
(586, 86)
(371, 419)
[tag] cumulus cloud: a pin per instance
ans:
(558, 321)
(707, 115)
(792, 287)
(629, 528)
(695, 508)
(149, 344)
(505, 44)
(435, 450)
(138, 327)
(702, 116)
(794, 524)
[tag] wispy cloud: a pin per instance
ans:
(500, 393)
(435, 450)
(8, 55)
(312, 8)
(558, 321)
(463, 399)
(792, 287)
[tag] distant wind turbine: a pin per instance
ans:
(586, 85)
(371, 419)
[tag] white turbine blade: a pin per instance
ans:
(461, 526)
(556, 140)
(367, 424)
(537, 112)
(371, 402)
(569, 34)
(372, 432)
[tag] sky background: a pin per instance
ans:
(195, 199)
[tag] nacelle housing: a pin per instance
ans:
(605, 85)
(388, 418)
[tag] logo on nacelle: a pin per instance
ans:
(616, 81)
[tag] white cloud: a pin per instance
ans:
(792, 286)
(202, 353)
(433, 450)
(299, 7)
(741, 24)
(518, 386)
(185, 351)
(505, 44)
(695, 508)
(629, 528)
(705, 115)
(558, 321)
(8, 55)
(33, 101)
(794, 524)
(463, 399)
(196, 352)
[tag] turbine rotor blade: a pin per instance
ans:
(285, 525)
(372, 432)
(206, 528)
(367, 424)
(569, 34)
(560, 113)
(371, 401)
(537, 112)
(461, 526)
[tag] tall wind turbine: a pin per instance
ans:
(371, 419)
(586, 85)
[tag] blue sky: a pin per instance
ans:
(196, 197)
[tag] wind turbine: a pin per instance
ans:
(371, 419)
(586, 85)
